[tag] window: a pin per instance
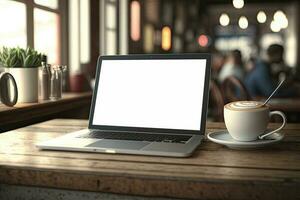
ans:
(114, 27)
(13, 31)
(48, 3)
(79, 35)
(96, 27)
(40, 24)
(46, 25)
(109, 26)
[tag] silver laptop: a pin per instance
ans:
(144, 104)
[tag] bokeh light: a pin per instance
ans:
(279, 22)
(135, 18)
(166, 38)
(224, 19)
(238, 4)
(203, 40)
(279, 15)
(243, 22)
(275, 26)
(261, 17)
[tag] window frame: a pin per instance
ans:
(104, 28)
(62, 11)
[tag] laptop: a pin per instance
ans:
(144, 104)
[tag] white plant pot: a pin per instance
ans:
(27, 83)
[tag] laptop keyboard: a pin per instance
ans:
(137, 136)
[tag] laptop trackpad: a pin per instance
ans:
(118, 144)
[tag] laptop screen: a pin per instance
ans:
(150, 93)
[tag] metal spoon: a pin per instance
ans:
(268, 99)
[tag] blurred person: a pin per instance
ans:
(218, 60)
(279, 70)
(233, 66)
(250, 64)
(260, 81)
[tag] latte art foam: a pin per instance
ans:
(241, 105)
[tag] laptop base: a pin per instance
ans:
(73, 142)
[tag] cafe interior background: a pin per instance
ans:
(239, 32)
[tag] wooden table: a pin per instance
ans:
(213, 172)
(286, 104)
(70, 105)
(290, 104)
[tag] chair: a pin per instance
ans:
(216, 101)
(234, 90)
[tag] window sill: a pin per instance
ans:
(70, 106)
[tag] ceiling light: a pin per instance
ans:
(275, 26)
(279, 15)
(238, 3)
(243, 22)
(224, 19)
(261, 17)
(280, 20)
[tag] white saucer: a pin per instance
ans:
(223, 137)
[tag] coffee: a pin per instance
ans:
(248, 120)
(245, 105)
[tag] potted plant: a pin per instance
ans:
(23, 65)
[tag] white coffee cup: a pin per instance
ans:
(248, 120)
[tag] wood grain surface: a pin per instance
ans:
(212, 172)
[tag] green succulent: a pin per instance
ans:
(19, 57)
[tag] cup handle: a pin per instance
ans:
(5, 89)
(278, 129)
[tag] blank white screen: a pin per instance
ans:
(151, 93)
